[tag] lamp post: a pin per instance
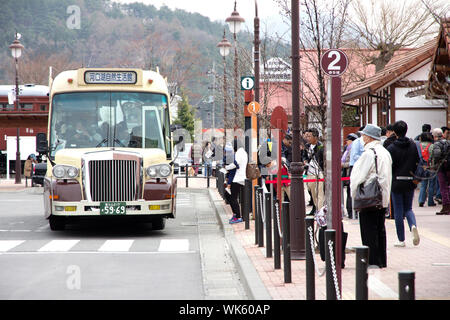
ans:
(224, 49)
(297, 205)
(16, 52)
(234, 22)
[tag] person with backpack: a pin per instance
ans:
(236, 175)
(405, 158)
(440, 161)
(427, 186)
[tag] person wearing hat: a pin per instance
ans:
(345, 164)
(371, 220)
(405, 159)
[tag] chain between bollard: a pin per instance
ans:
(333, 268)
(277, 210)
(263, 208)
(311, 238)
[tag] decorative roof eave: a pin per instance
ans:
(393, 73)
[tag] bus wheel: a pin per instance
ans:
(57, 223)
(159, 224)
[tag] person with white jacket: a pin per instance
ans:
(236, 175)
(371, 220)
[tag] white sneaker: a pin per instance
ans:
(416, 238)
(399, 244)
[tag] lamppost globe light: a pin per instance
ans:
(16, 49)
(234, 21)
(224, 46)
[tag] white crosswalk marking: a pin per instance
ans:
(6, 245)
(58, 245)
(172, 245)
(116, 245)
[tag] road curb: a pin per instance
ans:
(252, 282)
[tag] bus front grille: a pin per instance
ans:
(113, 180)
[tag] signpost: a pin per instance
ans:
(247, 83)
(334, 63)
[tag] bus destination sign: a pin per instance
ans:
(110, 77)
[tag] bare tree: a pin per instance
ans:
(388, 25)
(322, 26)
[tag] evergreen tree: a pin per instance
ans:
(185, 116)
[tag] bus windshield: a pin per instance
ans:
(110, 119)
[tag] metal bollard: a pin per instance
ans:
(286, 243)
(207, 177)
(330, 235)
(248, 202)
(187, 176)
(406, 289)
(362, 262)
(268, 206)
(276, 235)
(256, 214)
(259, 222)
(310, 275)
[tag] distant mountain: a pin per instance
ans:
(101, 33)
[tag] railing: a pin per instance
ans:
(210, 174)
(271, 217)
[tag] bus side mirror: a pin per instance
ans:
(41, 143)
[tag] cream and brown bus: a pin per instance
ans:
(109, 147)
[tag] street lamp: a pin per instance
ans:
(224, 49)
(234, 22)
(16, 52)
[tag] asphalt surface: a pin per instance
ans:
(96, 260)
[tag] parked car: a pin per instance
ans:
(182, 159)
(39, 171)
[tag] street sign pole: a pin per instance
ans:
(334, 63)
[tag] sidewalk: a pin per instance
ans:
(430, 260)
(9, 185)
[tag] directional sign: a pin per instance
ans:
(254, 107)
(334, 62)
(247, 83)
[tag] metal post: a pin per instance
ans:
(276, 235)
(187, 177)
(310, 276)
(248, 202)
(362, 262)
(406, 288)
(224, 98)
(268, 206)
(256, 62)
(256, 214)
(259, 222)
(330, 236)
(286, 243)
(298, 198)
(207, 177)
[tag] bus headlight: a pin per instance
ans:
(152, 172)
(72, 172)
(65, 172)
(159, 171)
(59, 172)
(165, 170)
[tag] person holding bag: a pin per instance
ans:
(370, 185)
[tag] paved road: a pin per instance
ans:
(187, 260)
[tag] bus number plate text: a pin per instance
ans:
(112, 208)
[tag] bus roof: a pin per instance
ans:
(110, 79)
(25, 90)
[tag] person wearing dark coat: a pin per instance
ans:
(405, 159)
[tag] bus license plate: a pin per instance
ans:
(112, 208)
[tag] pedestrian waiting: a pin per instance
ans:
(374, 163)
(405, 158)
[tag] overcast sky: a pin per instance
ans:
(219, 10)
